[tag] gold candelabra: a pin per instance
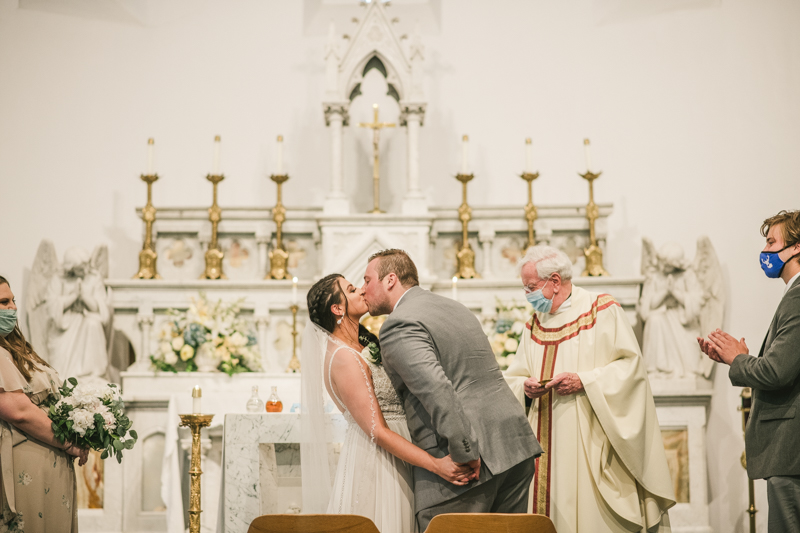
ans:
(465, 255)
(593, 254)
(278, 257)
(148, 255)
(195, 422)
(745, 409)
(214, 253)
(294, 362)
(530, 210)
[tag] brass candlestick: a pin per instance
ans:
(214, 253)
(278, 257)
(745, 409)
(294, 362)
(195, 423)
(148, 255)
(530, 210)
(465, 256)
(593, 254)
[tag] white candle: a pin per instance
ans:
(455, 288)
(464, 147)
(528, 161)
(215, 166)
(587, 154)
(279, 156)
(150, 155)
(294, 290)
(196, 395)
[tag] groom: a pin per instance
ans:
(456, 400)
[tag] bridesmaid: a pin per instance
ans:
(37, 477)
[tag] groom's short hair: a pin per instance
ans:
(397, 261)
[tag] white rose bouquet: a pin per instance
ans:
(91, 416)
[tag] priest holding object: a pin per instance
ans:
(579, 365)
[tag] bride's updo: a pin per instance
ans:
(322, 295)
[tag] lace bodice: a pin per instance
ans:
(390, 403)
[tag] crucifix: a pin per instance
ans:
(376, 127)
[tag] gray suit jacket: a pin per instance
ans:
(456, 400)
(774, 425)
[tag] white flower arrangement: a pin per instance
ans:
(208, 336)
(91, 416)
(505, 330)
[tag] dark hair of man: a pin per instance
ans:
(790, 227)
(322, 295)
(397, 262)
(25, 359)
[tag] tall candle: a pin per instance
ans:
(150, 155)
(196, 395)
(464, 147)
(294, 290)
(587, 154)
(215, 166)
(528, 161)
(455, 288)
(279, 156)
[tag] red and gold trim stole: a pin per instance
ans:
(550, 338)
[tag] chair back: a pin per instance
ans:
(490, 523)
(312, 523)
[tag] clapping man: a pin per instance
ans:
(774, 376)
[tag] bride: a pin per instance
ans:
(342, 364)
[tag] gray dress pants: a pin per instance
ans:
(506, 492)
(783, 496)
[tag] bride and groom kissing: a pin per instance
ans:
(432, 425)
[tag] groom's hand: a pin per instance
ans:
(476, 469)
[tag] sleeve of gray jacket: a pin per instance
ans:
(779, 366)
(413, 357)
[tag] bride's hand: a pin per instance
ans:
(450, 471)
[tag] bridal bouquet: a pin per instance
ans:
(91, 416)
(505, 330)
(208, 337)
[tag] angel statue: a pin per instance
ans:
(680, 301)
(68, 312)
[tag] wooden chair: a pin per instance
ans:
(490, 523)
(312, 523)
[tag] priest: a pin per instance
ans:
(580, 374)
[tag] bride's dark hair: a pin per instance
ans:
(322, 295)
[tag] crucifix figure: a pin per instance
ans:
(376, 127)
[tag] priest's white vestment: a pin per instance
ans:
(604, 466)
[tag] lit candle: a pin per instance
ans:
(588, 155)
(464, 147)
(528, 164)
(215, 166)
(294, 290)
(279, 156)
(196, 395)
(455, 288)
(150, 155)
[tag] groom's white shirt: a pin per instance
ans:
(401, 297)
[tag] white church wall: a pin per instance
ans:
(691, 111)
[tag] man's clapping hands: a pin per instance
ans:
(722, 347)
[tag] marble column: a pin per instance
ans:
(486, 238)
(336, 118)
(412, 117)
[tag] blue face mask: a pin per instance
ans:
(8, 319)
(772, 264)
(538, 301)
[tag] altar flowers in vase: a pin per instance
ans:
(505, 328)
(208, 337)
(91, 415)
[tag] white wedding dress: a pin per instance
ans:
(369, 480)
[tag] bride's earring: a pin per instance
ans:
(340, 319)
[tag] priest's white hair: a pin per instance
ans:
(548, 261)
